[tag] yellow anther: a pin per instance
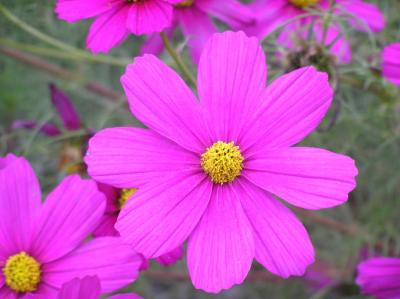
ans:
(222, 161)
(124, 196)
(22, 273)
(304, 3)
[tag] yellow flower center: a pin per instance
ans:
(303, 3)
(185, 3)
(22, 273)
(222, 161)
(124, 196)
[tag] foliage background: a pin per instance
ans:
(367, 127)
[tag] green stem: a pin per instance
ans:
(60, 45)
(181, 65)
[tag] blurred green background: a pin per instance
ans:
(364, 122)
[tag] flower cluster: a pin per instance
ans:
(210, 177)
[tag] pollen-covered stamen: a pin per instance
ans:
(185, 3)
(304, 3)
(22, 273)
(124, 196)
(222, 161)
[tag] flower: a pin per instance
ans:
(193, 17)
(361, 15)
(42, 245)
(115, 19)
(116, 200)
(379, 277)
(87, 287)
(207, 171)
(391, 63)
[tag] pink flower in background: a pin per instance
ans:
(379, 277)
(42, 245)
(391, 63)
(193, 17)
(209, 171)
(85, 288)
(116, 200)
(273, 13)
(116, 19)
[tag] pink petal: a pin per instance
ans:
(70, 213)
(106, 226)
(281, 241)
(197, 28)
(131, 157)
(171, 257)
(154, 44)
(391, 63)
(6, 293)
(380, 277)
(366, 16)
(65, 108)
(293, 107)
(47, 128)
(108, 30)
(231, 83)
(309, 178)
(162, 215)
(115, 264)
(162, 101)
(149, 16)
(19, 204)
(85, 288)
(232, 12)
(221, 248)
(2, 278)
(74, 10)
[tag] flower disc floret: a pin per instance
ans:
(185, 3)
(22, 273)
(222, 161)
(304, 3)
(124, 196)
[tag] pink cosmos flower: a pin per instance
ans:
(210, 171)
(391, 63)
(115, 19)
(379, 277)
(273, 13)
(42, 245)
(85, 288)
(194, 19)
(116, 200)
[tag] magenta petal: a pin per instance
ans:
(221, 248)
(115, 264)
(231, 83)
(380, 277)
(65, 108)
(85, 288)
(162, 101)
(391, 63)
(281, 241)
(131, 157)
(2, 278)
(106, 226)
(74, 10)
(6, 293)
(149, 16)
(232, 12)
(294, 105)
(19, 204)
(197, 28)
(70, 213)
(160, 217)
(171, 257)
(108, 30)
(47, 128)
(366, 16)
(309, 178)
